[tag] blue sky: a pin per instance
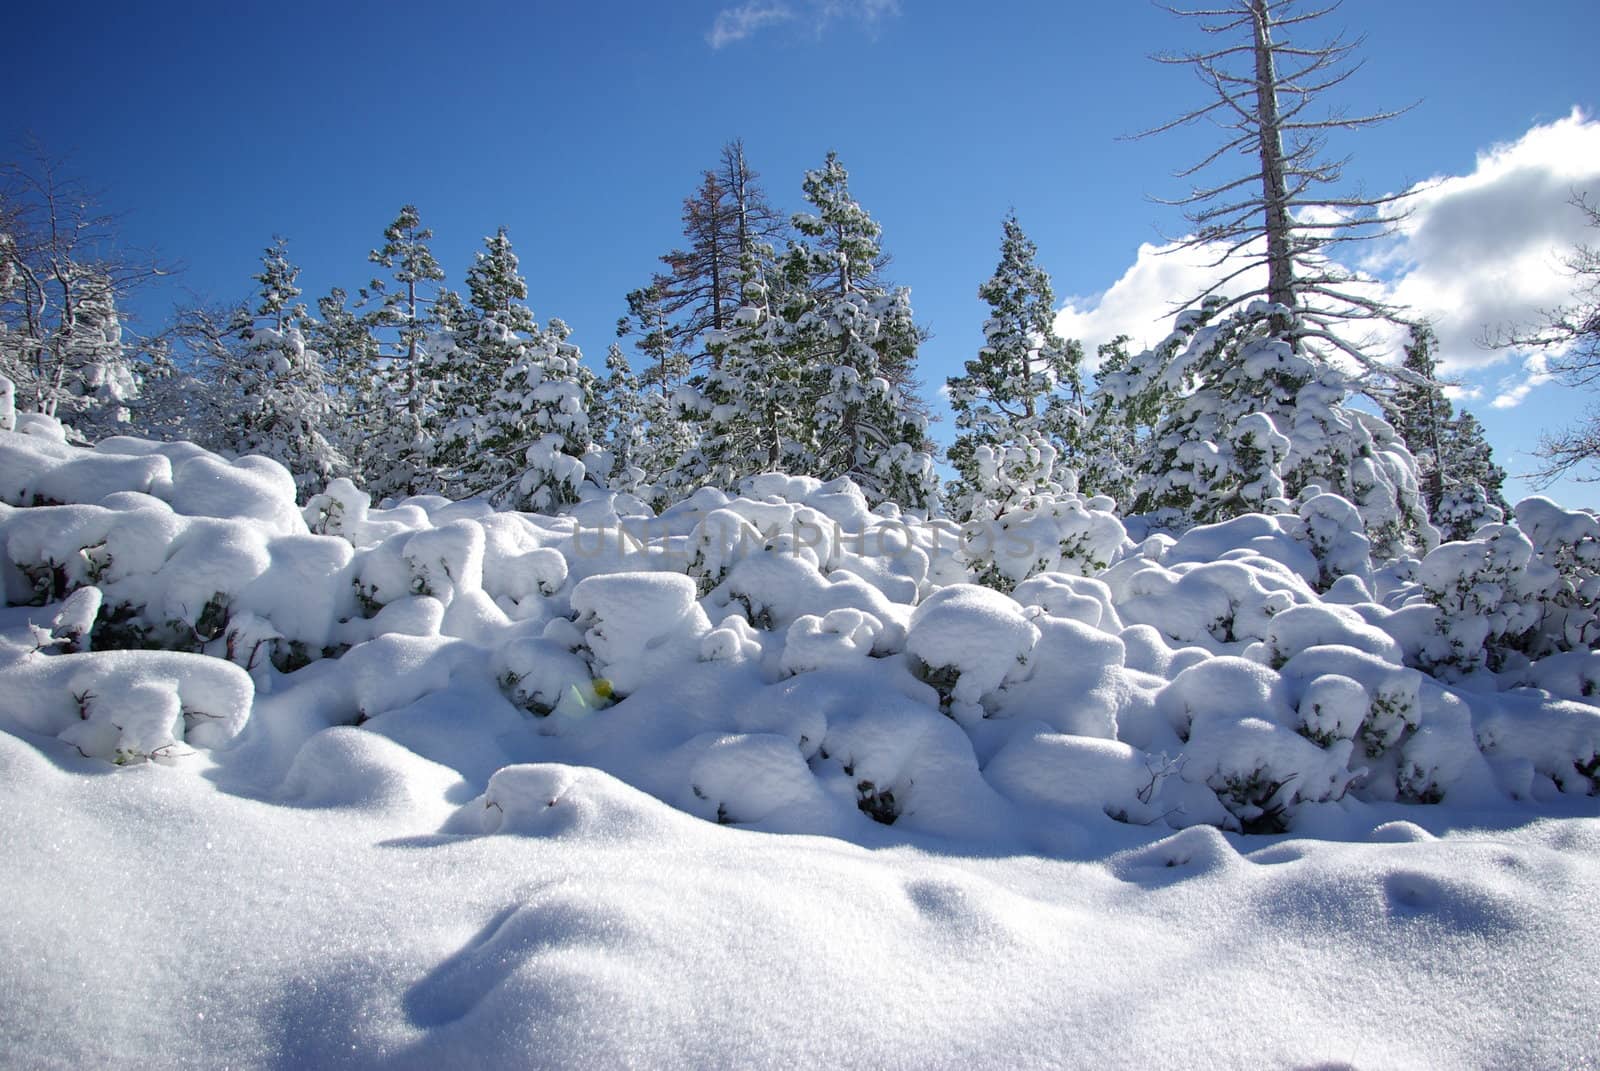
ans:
(581, 127)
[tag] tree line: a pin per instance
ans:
(772, 342)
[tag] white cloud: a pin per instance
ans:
(1514, 388)
(735, 24)
(1476, 252)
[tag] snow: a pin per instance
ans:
(432, 785)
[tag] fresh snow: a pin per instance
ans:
(766, 780)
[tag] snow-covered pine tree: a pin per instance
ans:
(1257, 424)
(534, 438)
(661, 453)
(94, 377)
(753, 408)
(1419, 411)
(1266, 417)
(1021, 396)
(401, 461)
(1118, 423)
(350, 356)
(619, 425)
(855, 342)
(283, 407)
(1472, 494)
(473, 349)
(1460, 481)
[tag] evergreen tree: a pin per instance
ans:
(283, 407)
(1123, 412)
(350, 355)
(403, 460)
(726, 220)
(1257, 424)
(754, 407)
(852, 340)
(473, 351)
(1460, 481)
(621, 426)
(1279, 211)
(534, 440)
(1420, 412)
(670, 438)
(1021, 396)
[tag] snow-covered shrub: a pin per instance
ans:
(543, 677)
(1072, 682)
(1317, 624)
(966, 641)
(1333, 530)
(1044, 533)
(127, 706)
(638, 625)
(1540, 746)
(1041, 769)
(839, 637)
(1080, 598)
(1389, 707)
(1567, 541)
(750, 777)
(776, 588)
(1261, 771)
(1491, 595)
(1219, 605)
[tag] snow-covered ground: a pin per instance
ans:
(765, 781)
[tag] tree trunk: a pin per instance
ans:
(1274, 186)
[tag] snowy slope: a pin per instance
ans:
(762, 781)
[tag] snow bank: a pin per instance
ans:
(508, 788)
(1240, 661)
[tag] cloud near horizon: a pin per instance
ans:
(814, 17)
(1476, 252)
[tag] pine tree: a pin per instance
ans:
(1123, 412)
(1280, 213)
(474, 348)
(403, 454)
(350, 357)
(283, 409)
(726, 220)
(754, 406)
(1021, 396)
(1460, 481)
(670, 438)
(1256, 424)
(852, 340)
(534, 445)
(621, 427)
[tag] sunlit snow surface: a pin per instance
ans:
(499, 866)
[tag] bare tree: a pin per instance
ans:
(62, 277)
(1570, 337)
(1278, 210)
(727, 220)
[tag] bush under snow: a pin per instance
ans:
(789, 658)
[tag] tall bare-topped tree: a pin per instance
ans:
(727, 221)
(1281, 211)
